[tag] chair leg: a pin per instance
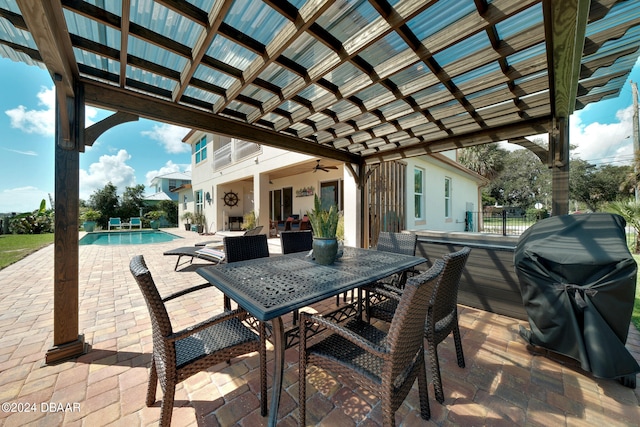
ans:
(458, 342)
(166, 409)
(435, 372)
(423, 389)
(153, 384)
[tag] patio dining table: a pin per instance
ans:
(269, 288)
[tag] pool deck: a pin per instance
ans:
(505, 382)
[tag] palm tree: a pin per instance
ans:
(485, 159)
(630, 211)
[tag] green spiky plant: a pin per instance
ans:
(324, 222)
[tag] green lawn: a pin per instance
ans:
(14, 247)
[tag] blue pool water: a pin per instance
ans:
(127, 237)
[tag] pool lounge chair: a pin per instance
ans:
(135, 222)
(208, 254)
(114, 222)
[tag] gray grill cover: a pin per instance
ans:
(578, 280)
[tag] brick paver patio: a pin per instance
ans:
(505, 383)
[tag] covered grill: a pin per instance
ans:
(578, 279)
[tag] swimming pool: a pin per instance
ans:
(127, 237)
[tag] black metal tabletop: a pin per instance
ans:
(271, 287)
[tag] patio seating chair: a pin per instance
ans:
(296, 241)
(208, 254)
(135, 222)
(181, 354)
(114, 222)
(243, 248)
(399, 243)
(254, 231)
(385, 364)
(292, 242)
(442, 314)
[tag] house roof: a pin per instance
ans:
(173, 175)
(357, 81)
(159, 196)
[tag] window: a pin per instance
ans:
(172, 184)
(200, 150)
(199, 201)
(418, 192)
(447, 197)
(331, 194)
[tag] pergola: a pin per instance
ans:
(358, 81)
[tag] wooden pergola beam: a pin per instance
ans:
(112, 98)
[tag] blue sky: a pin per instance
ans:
(133, 153)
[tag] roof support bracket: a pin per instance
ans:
(92, 133)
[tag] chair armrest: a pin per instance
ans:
(222, 317)
(186, 291)
(351, 336)
(384, 290)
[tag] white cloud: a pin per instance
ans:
(26, 153)
(604, 143)
(112, 169)
(169, 167)
(170, 137)
(36, 121)
(22, 199)
(42, 122)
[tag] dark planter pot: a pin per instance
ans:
(325, 250)
(155, 224)
(200, 229)
(89, 226)
(187, 227)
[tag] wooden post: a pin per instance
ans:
(559, 162)
(67, 342)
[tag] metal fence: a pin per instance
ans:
(503, 222)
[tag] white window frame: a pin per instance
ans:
(447, 196)
(418, 194)
(200, 150)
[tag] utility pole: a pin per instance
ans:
(636, 136)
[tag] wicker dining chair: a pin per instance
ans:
(385, 364)
(296, 241)
(292, 242)
(442, 314)
(399, 243)
(179, 355)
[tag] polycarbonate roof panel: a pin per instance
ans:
(307, 51)
(409, 72)
(150, 52)
(201, 95)
(92, 30)
(465, 48)
(346, 19)
(150, 78)
(164, 21)
(213, 76)
(230, 53)
(516, 24)
(255, 19)
(442, 14)
(96, 61)
(384, 49)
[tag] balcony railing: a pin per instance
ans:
(234, 152)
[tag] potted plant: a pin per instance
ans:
(154, 218)
(188, 219)
(199, 220)
(324, 224)
(90, 216)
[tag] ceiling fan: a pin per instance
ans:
(318, 166)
